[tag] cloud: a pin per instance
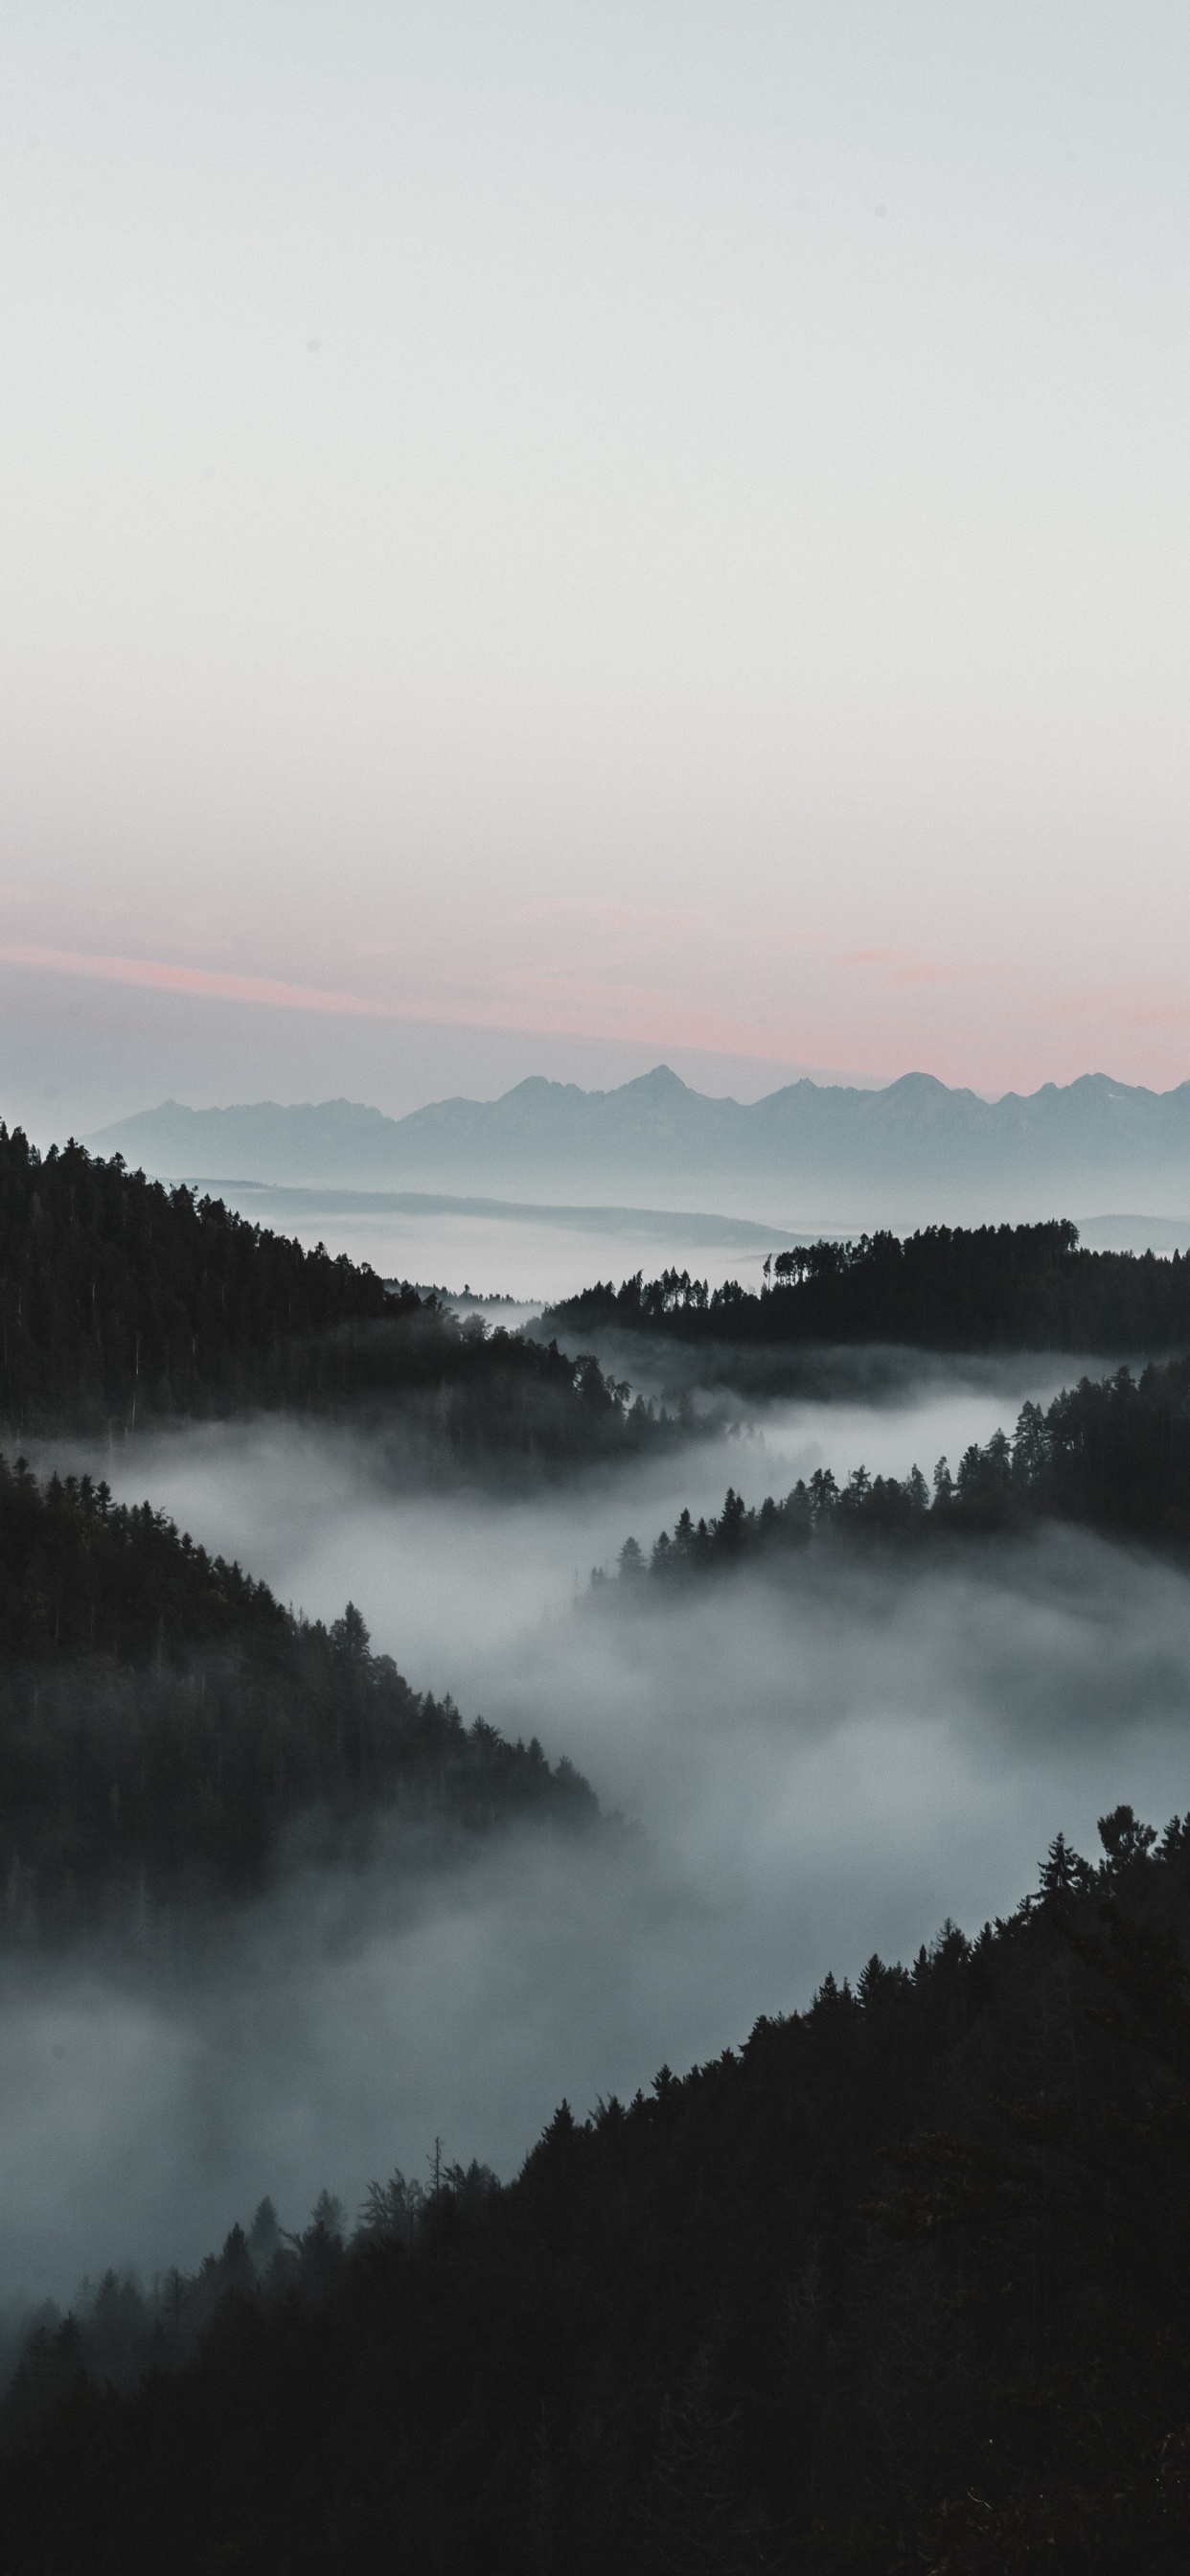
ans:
(162, 976)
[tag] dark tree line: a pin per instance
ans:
(989, 1288)
(902, 2283)
(1111, 1453)
(121, 1298)
(124, 1302)
(165, 1726)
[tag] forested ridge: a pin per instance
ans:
(1110, 1453)
(124, 1302)
(902, 2283)
(946, 1288)
(166, 1727)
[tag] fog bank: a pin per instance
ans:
(810, 1771)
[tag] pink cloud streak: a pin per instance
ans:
(164, 978)
(659, 979)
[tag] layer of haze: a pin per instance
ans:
(807, 1774)
(528, 1257)
(78, 1052)
(656, 523)
(531, 1257)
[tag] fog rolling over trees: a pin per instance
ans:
(347, 1827)
(976, 2327)
(1113, 1456)
(985, 1288)
(167, 1730)
(806, 1774)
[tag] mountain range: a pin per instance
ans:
(913, 1152)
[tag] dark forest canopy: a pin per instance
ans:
(125, 1302)
(989, 1288)
(1113, 1454)
(166, 1727)
(902, 2283)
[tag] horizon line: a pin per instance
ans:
(227, 1109)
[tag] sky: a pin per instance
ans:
(540, 539)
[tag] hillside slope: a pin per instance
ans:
(901, 2284)
(123, 1302)
(166, 1726)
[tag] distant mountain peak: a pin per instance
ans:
(539, 1086)
(921, 1085)
(913, 1151)
(662, 1078)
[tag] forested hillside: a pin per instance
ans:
(1024, 1287)
(1113, 1454)
(165, 1725)
(901, 2284)
(124, 1302)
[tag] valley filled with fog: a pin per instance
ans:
(509, 1251)
(521, 1254)
(794, 1773)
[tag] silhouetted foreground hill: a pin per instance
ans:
(165, 1726)
(123, 1302)
(901, 2284)
(946, 1151)
(1024, 1287)
(1111, 1454)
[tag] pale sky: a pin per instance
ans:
(657, 526)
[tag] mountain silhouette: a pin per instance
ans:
(915, 1146)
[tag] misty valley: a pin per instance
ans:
(422, 1735)
(594, 1289)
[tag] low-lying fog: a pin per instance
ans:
(533, 1253)
(810, 1773)
(514, 1249)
